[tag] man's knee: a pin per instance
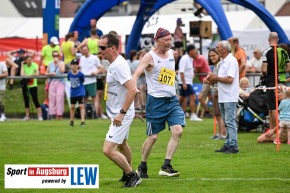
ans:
(259, 139)
(107, 151)
(200, 96)
(153, 138)
(181, 99)
(177, 131)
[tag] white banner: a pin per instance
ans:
(251, 39)
(51, 176)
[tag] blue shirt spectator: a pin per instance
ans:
(77, 88)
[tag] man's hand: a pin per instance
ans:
(212, 78)
(118, 120)
(184, 86)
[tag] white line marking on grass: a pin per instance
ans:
(207, 179)
(202, 179)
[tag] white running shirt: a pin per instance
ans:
(186, 67)
(117, 75)
(88, 65)
(161, 80)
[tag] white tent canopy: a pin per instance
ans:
(244, 24)
(32, 27)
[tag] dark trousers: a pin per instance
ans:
(33, 93)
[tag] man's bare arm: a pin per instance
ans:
(145, 62)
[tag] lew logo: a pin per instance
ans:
(51, 176)
(83, 175)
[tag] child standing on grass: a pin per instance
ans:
(77, 91)
(284, 116)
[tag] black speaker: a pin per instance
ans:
(194, 28)
(201, 29)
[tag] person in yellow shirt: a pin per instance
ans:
(46, 53)
(46, 57)
(91, 42)
(68, 50)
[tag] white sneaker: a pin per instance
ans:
(3, 118)
(193, 117)
(187, 114)
(104, 116)
(40, 119)
(26, 119)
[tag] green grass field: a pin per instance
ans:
(257, 168)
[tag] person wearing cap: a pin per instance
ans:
(162, 103)
(77, 91)
(186, 75)
(13, 62)
(178, 37)
(119, 94)
(46, 52)
(56, 86)
(46, 57)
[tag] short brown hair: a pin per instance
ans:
(113, 39)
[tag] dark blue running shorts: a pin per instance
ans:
(189, 91)
(162, 110)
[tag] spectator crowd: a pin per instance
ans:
(59, 58)
(154, 83)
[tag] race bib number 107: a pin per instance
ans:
(166, 76)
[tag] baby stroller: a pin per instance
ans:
(253, 112)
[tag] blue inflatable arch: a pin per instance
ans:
(89, 10)
(146, 10)
(97, 8)
(265, 16)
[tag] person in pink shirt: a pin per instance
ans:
(200, 65)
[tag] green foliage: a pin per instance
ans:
(257, 168)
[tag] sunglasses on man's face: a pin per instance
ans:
(75, 64)
(104, 47)
(55, 56)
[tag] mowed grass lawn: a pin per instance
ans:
(257, 168)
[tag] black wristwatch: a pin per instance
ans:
(123, 112)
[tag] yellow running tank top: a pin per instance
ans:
(93, 46)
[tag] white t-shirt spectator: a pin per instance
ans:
(117, 75)
(186, 67)
(257, 64)
(229, 92)
(3, 69)
(88, 65)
